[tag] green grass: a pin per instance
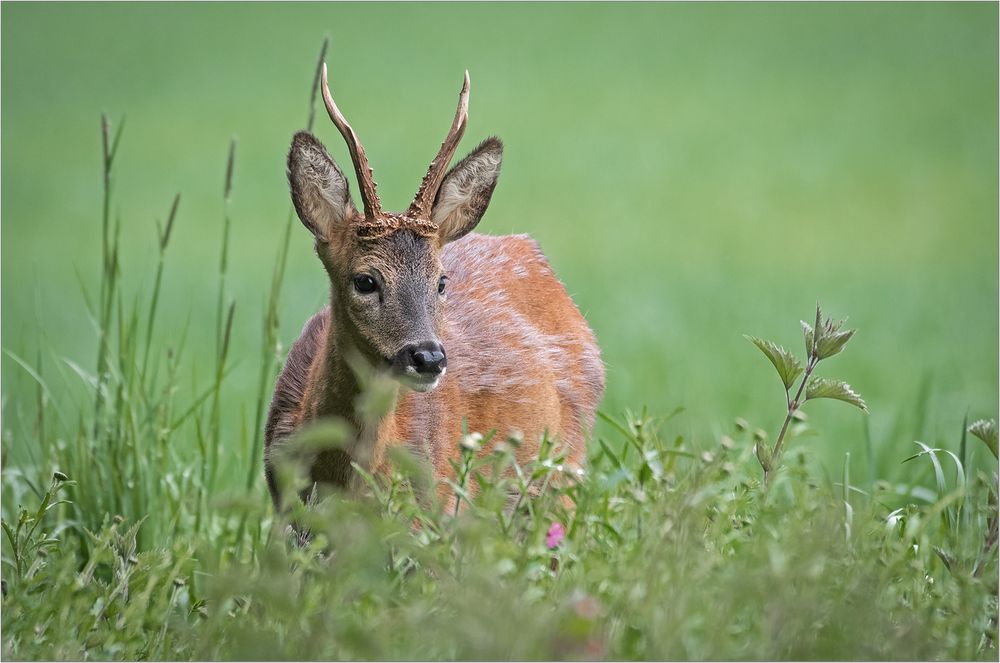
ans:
(693, 172)
(676, 557)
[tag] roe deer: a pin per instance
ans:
(469, 326)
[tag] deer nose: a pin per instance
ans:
(426, 358)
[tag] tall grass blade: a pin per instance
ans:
(164, 240)
(270, 344)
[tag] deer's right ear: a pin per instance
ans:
(319, 189)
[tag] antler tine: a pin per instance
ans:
(373, 207)
(421, 206)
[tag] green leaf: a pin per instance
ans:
(832, 343)
(986, 430)
(818, 329)
(372, 483)
(807, 331)
(788, 366)
(610, 454)
(942, 485)
(837, 389)
(10, 536)
(826, 335)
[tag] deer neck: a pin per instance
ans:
(340, 395)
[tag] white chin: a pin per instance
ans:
(416, 383)
(422, 387)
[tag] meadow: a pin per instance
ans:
(694, 172)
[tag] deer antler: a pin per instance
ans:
(373, 207)
(420, 208)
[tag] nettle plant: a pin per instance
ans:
(823, 340)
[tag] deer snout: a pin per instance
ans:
(425, 359)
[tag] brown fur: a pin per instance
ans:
(520, 357)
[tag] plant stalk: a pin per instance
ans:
(793, 405)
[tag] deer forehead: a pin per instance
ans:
(403, 254)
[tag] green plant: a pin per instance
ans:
(986, 430)
(823, 340)
(28, 544)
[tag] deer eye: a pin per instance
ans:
(365, 284)
(441, 282)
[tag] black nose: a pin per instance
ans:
(426, 358)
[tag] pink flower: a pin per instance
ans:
(555, 536)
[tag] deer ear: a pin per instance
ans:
(319, 189)
(466, 191)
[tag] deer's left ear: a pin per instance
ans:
(466, 191)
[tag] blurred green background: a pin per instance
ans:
(693, 171)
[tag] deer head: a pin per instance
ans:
(388, 287)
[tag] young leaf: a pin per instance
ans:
(807, 331)
(986, 430)
(832, 343)
(824, 388)
(788, 366)
(818, 328)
